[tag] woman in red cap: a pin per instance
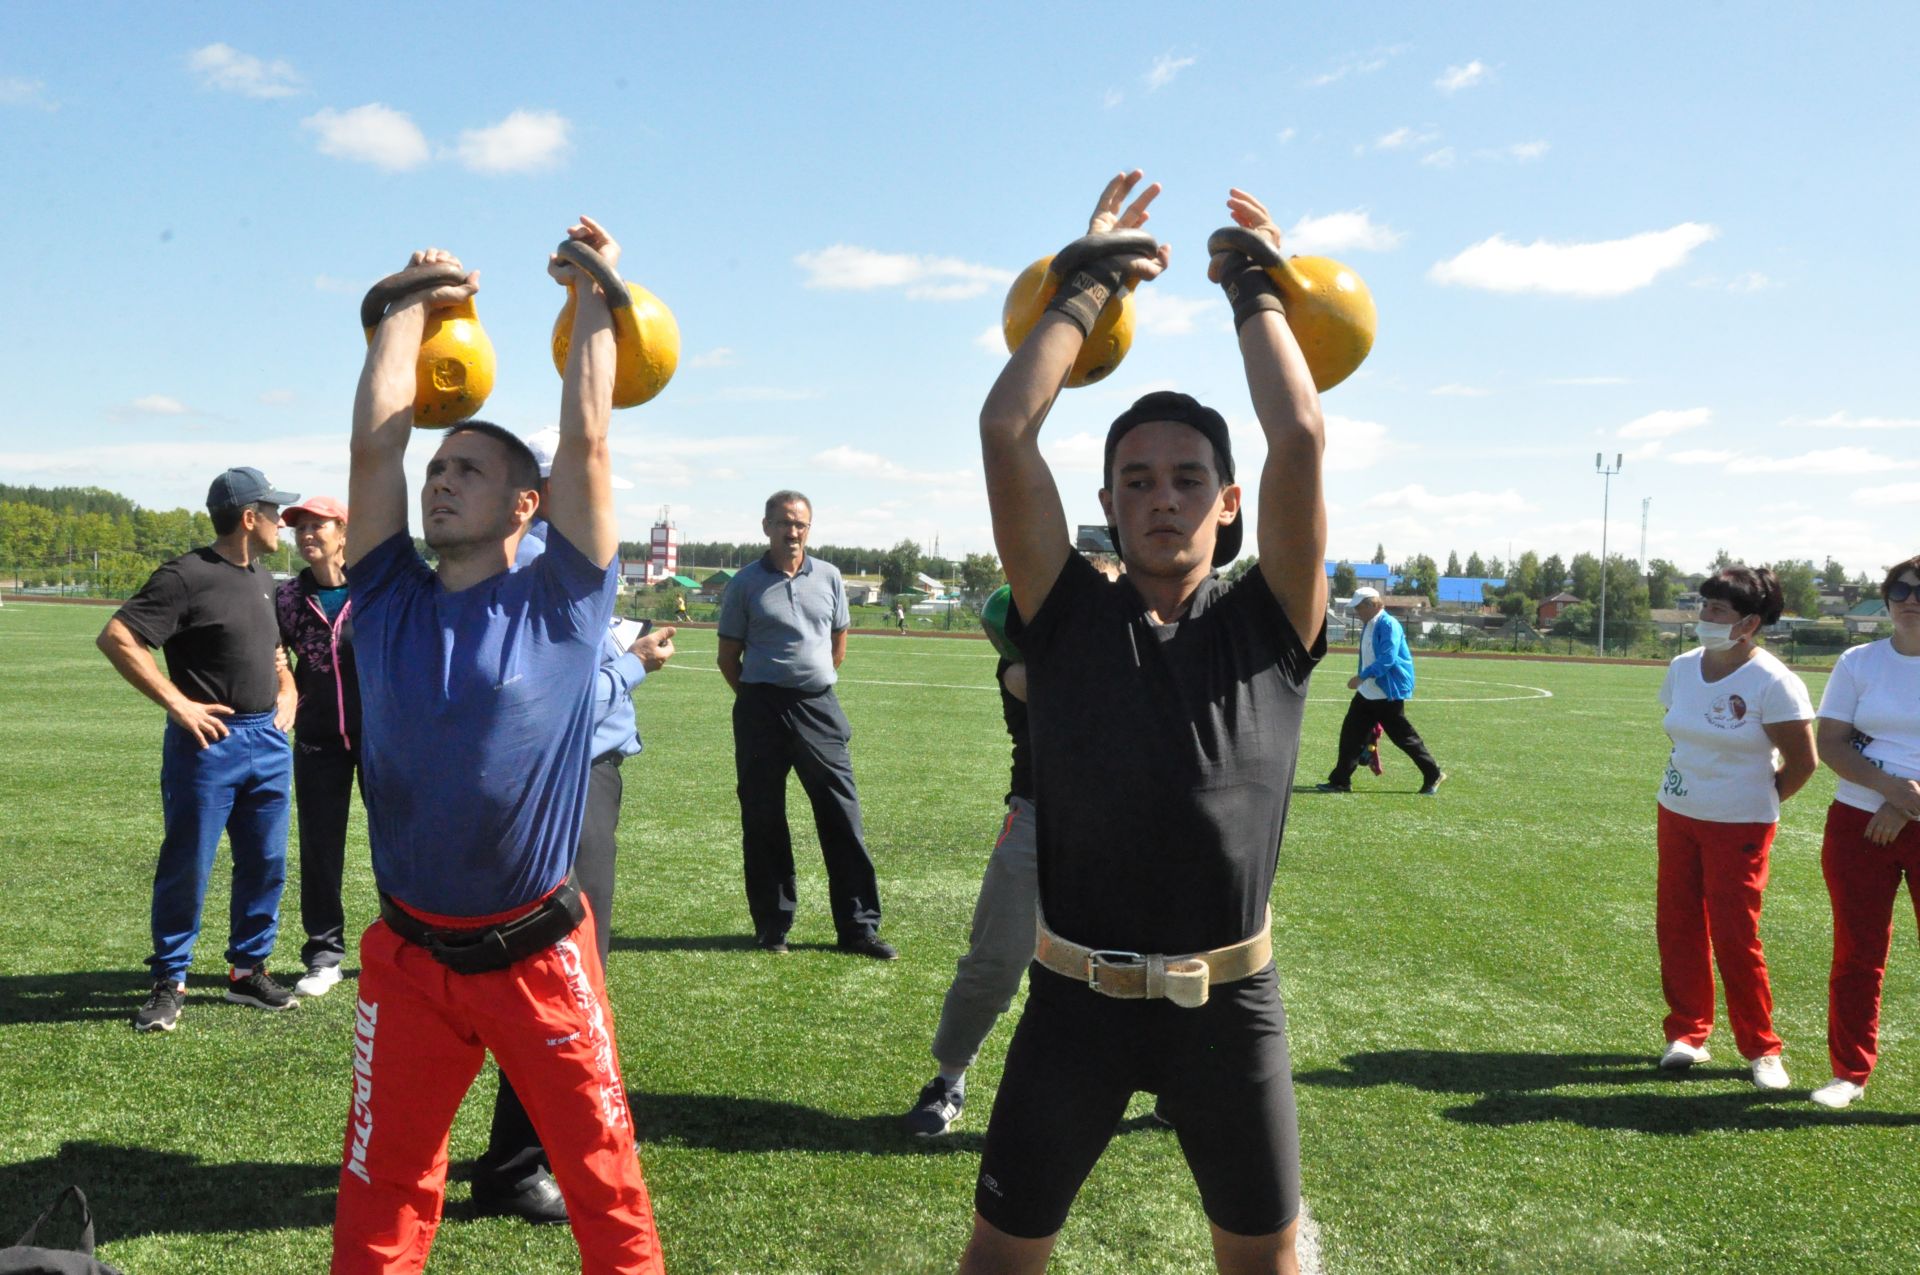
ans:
(315, 626)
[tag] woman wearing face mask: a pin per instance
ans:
(1870, 738)
(315, 626)
(1742, 729)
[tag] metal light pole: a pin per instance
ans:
(1606, 494)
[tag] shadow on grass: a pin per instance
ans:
(718, 1122)
(681, 943)
(136, 1191)
(81, 996)
(1513, 1088)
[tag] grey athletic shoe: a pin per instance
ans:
(161, 1012)
(257, 988)
(937, 1108)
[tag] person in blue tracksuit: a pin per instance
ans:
(1381, 690)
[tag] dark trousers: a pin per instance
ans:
(1356, 732)
(776, 731)
(514, 1152)
(323, 781)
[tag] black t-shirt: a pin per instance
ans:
(1163, 759)
(1014, 711)
(216, 623)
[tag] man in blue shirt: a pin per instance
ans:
(477, 722)
(783, 633)
(1381, 690)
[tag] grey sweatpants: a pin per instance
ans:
(1000, 946)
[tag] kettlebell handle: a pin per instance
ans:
(373, 307)
(584, 257)
(1255, 247)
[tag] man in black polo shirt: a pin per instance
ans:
(1165, 721)
(225, 763)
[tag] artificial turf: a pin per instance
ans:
(1471, 984)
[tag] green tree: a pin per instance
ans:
(1577, 620)
(1585, 573)
(1344, 580)
(1419, 577)
(1453, 563)
(980, 575)
(1833, 575)
(1721, 561)
(1518, 605)
(1663, 581)
(1551, 578)
(1240, 567)
(1475, 567)
(1494, 567)
(898, 566)
(1379, 555)
(1797, 586)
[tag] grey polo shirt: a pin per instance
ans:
(787, 622)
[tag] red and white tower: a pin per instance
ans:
(663, 556)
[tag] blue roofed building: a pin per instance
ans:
(1467, 591)
(1373, 573)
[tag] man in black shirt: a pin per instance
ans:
(1165, 722)
(225, 763)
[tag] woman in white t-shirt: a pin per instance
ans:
(1870, 737)
(1742, 729)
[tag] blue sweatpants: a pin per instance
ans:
(239, 784)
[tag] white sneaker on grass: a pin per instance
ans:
(1837, 1093)
(1680, 1055)
(318, 980)
(1769, 1072)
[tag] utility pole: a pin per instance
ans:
(1646, 568)
(1606, 495)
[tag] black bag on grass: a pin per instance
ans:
(26, 1258)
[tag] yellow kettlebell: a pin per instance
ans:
(1106, 345)
(1328, 306)
(454, 374)
(645, 336)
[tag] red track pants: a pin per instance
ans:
(1708, 912)
(1862, 881)
(419, 1039)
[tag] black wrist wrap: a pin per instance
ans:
(1091, 270)
(1250, 291)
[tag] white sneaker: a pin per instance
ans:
(1838, 1093)
(1770, 1073)
(1681, 1055)
(317, 980)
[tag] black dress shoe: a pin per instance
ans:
(776, 943)
(870, 945)
(536, 1200)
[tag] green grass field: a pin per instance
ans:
(1471, 981)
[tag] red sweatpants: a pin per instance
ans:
(1707, 912)
(1862, 881)
(419, 1039)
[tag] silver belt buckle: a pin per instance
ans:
(1108, 956)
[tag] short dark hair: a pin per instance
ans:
(1748, 590)
(523, 469)
(227, 520)
(780, 498)
(1896, 571)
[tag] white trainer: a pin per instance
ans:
(1769, 1072)
(1680, 1055)
(1838, 1093)
(317, 981)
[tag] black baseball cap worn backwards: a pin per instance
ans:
(238, 488)
(1183, 409)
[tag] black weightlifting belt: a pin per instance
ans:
(497, 946)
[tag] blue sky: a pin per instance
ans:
(1682, 233)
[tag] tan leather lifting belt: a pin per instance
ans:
(1133, 976)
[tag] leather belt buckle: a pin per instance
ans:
(1102, 957)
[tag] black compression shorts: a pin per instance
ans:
(1077, 1057)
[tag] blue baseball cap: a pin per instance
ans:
(238, 488)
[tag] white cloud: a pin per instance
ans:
(1830, 460)
(764, 394)
(1892, 494)
(718, 356)
(1081, 453)
(846, 267)
(1586, 380)
(860, 464)
(372, 134)
(993, 340)
(1608, 268)
(1749, 281)
(1416, 498)
(1846, 420)
(1164, 69)
(340, 287)
(1645, 451)
(277, 398)
(1341, 232)
(1666, 423)
(1113, 98)
(1442, 158)
(1359, 64)
(524, 142)
(221, 66)
(1526, 152)
(1164, 314)
(1458, 391)
(16, 91)
(1403, 137)
(1286, 135)
(1455, 78)
(1702, 456)
(1356, 445)
(158, 405)
(620, 484)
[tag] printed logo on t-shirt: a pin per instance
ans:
(1675, 785)
(1728, 712)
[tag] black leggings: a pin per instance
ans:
(323, 781)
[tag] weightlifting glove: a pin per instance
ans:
(1091, 270)
(1243, 276)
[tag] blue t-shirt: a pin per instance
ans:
(787, 622)
(476, 714)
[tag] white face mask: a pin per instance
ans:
(1714, 637)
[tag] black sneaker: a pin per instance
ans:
(936, 1110)
(1432, 786)
(257, 988)
(870, 945)
(775, 943)
(1333, 787)
(161, 1012)
(537, 1200)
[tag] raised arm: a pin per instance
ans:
(1029, 522)
(580, 493)
(383, 404)
(1292, 502)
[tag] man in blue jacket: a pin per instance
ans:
(1381, 690)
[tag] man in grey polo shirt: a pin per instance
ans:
(783, 633)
